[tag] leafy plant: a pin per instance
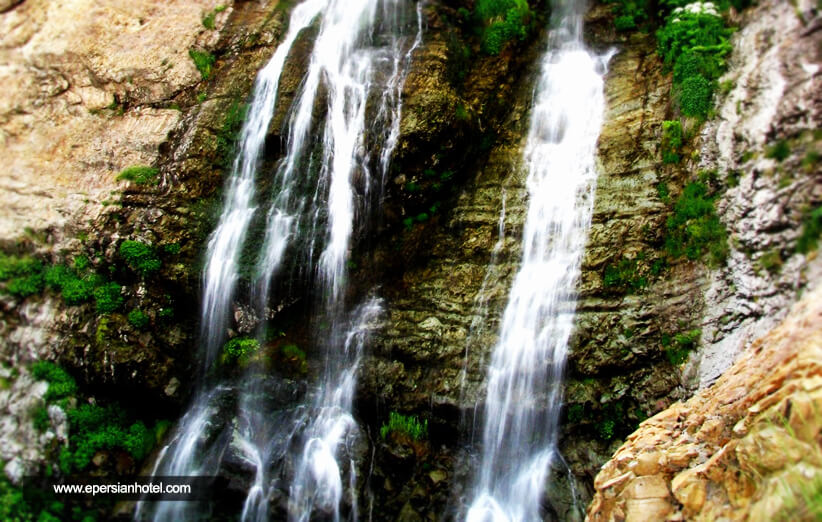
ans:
(696, 96)
(405, 425)
(678, 347)
(229, 131)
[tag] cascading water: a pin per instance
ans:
(525, 375)
(321, 192)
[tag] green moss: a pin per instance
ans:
(694, 230)
(203, 61)
(140, 257)
(23, 275)
(576, 412)
(96, 428)
(139, 175)
(405, 425)
(138, 319)
(108, 297)
(239, 349)
(61, 384)
(630, 14)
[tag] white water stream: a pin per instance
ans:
(361, 53)
(524, 393)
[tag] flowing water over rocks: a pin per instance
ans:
(525, 385)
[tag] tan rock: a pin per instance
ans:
(647, 509)
(654, 486)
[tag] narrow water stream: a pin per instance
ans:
(524, 382)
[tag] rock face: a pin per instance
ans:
(91, 88)
(747, 448)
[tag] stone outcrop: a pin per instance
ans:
(747, 448)
(89, 89)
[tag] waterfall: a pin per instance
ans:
(524, 383)
(335, 163)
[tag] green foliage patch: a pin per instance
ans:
(204, 62)
(139, 175)
(503, 21)
(108, 297)
(671, 141)
(61, 384)
(678, 347)
(405, 425)
(138, 319)
(694, 230)
(96, 428)
(140, 257)
(229, 131)
(239, 349)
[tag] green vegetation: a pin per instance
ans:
(138, 319)
(625, 275)
(139, 175)
(61, 384)
(203, 61)
(209, 18)
(630, 14)
(678, 347)
(108, 297)
(23, 275)
(671, 141)
(811, 230)
(694, 230)
(694, 45)
(503, 21)
(140, 257)
(96, 428)
(239, 349)
(771, 261)
(229, 132)
(405, 426)
(778, 151)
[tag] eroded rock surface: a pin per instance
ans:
(747, 448)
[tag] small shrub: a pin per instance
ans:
(405, 425)
(140, 257)
(139, 175)
(138, 319)
(108, 297)
(203, 61)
